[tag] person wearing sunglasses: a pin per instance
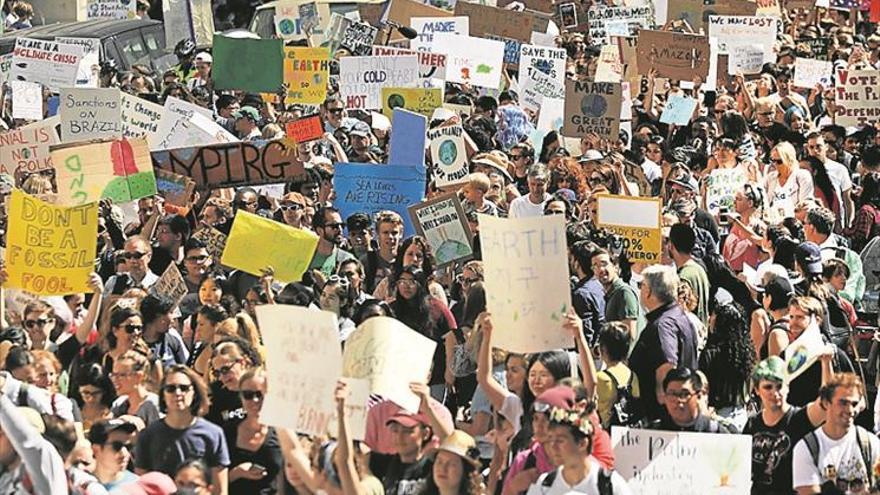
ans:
(137, 253)
(787, 184)
(327, 223)
(291, 210)
(231, 358)
(112, 445)
(39, 321)
(97, 394)
(183, 433)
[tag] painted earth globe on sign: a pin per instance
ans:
(448, 152)
(594, 105)
(396, 101)
(287, 26)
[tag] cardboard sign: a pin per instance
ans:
(288, 24)
(46, 62)
(27, 100)
(26, 148)
(431, 65)
(408, 139)
(442, 222)
(89, 113)
(637, 220)
(427, 26)
(684, 463)
(188, 19)
(809, 72)
(748, 59)
(538, 88)
(390, 356)
(89, 70)
(633, 18)
(592, 107)
(306, 72)
(448, 155)
(697, 12)
(170, 284)
(402, 12)
(50, 250)
(305, 129)
(486, 20)
(721, 188)
(248, 64)
(361, 79)
(523, 257)
(474, 61)
(610, 68)
(370, 188)
(419, 100)
(175, 188)
(679, 110)
(256, 243)
(138, 117)
(213, 239)
(675, 55)
(818, 47)
(111, 9)
(858, 98)
(184, 123)
(737, 30)
(304, 362)
(119, 170)
(358, 38)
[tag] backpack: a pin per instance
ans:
(604, 481)
(863, 437)
(626, 410)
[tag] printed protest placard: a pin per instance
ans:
(50, 250)
(120, 170)
(442, 222)
(304, 362)
(592, 107)
(358, 38)
(448, 155)
(809, 72)
(474, 61)
(138, 117)
(175, 188)
(371, 188)
(287, 22)
(213, 239)
(431, 65)
(89, 113)
(637, 220)
(27, 100)
(46, 62)
(685, 463)
(305, 129)
(721, 188)
(408, 142)
(679, 110)
(111, 9)
(427, 26)
(26, 148)
(254, 65)
(674, 55)
(306, 72)
(740, 29)
(634, 18)
(89, 66)
(361, 79)
(745, 58)
(232, 164)
(170, 284)
(391, 356)
(255, 243)
(419, 100)
(523, 257)
(858, 97)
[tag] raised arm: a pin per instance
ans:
(348, 475)
(574, 325)
(494, 391)
(97, 286)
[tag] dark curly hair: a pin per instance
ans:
(729, 356)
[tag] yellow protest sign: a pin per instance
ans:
(419, 100)
(637, 220)
(50, 250)
(256, 243)
(306, 72)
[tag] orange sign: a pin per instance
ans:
(305, 129)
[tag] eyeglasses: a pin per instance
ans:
(122, 375)
(337, 226)
(173, 388)
(224, 370)
(251, 395)
(407, 282)
(40, 322)
(335, 110)
(777, 161)
(682, 395)
(118, 446)
(132, 328)
(337, 280)
(197, 259)
(291, 207)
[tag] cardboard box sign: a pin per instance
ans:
(676, 56)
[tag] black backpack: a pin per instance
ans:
(604, 481)
(863, 437)
(627, 410)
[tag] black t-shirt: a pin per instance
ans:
(225, 406)
(407, 479)
(772, 448)
(268, 455)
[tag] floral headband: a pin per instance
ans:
(572, 417)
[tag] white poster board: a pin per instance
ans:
(89, 113)
(426, 27)
(448, 155)
(857, 97)
(27, 100)
(89, 70)
(741, 29)
(809, 72)
(47, 62)
(471, 60)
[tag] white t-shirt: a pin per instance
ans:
(842, 457)
(588, 486)
(522, 207)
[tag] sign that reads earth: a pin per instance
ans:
(448, 155)
(592, 107)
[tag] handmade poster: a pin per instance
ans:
(679, 110)
(448, 155)
(721, 188)
(310, 19)
(184, 123)
(26, 148)
(609, 68)
(213, 239)
(391, 356)
(255, 243)
(803, 352)
(682, 463)
(474, 61)
(46, 62)
(592, 107)
(170, 284)
(635, 219)
(540, 59)
(739, 29)
(858, 95)
(306, 72)
(371, 188)
(361, 79)
(305, 129)
(523, 257)
(27, 100)
(511, 50)
(675, 55)
(138, 117)
(818, 47)
(89, 69)
(357, 406)
(5, 67)
(402, 12)
(175, 188)
(304, 362)
(543, 39)
(442, 222)
(232, 164)
(768, 8)
(111, 9)
(427, 26)
(431, 65)
(254, 65)
(188, 19)
(288, 24)
(809, 72)
(358, 38)
(745, 58)
(89, 113)
(119, 170)
(487, 20)
(633, 17)
(408, 141)
(50, 250)
(336, 30)
(538, 89)
(567, 13)
(419, 100)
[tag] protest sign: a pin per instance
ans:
(682, 463)
(568, 15)
(487, 20)
(89, 113)
(674, 55)
(768, 8)
(633, 18)
(288, 25)
(548, 61)
(543, 39)
(5, 67)
(170, 284)
(213, 239)
(255, 243)
(306, 72)
(809, 72)
(254, 65)
(402, 12)
(427, 26)
(138, 117)
(448, 155)
(305, 129)
(27, 100)
(697, 12)
(609, 68)
(188, 19)
(858, 98)
(738, 30)
(803, 352)
(637, 220)
(408, 139)
(358, 38)
(816, 47)
(419, 100)
(175, 188)
(304, 362)
(721, 188)
(391, 356)
(111, 9)
(89, 66)
(678, 110)
(538, 89)
(119, 170)
(745, 58)
(232, 164)
(336, 31)
(184, 123)
(26, 148)
(46, 62)
(442, 222)
(592, 107)
(50, 250)
(431, 65)
(309, 18)
(474, 61)
(511, 50)
(356, 409)
(371, 188)
(361, 79)
(523, 257)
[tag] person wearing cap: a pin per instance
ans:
(778, 426)
(246, 123)
(291, 210)
(532, 204)
(409, 469)
(112, 444)
(362, 149)
(685, 186)
(359, 240)
(203, 62)
(775, 295)
(784, 95)
(818, 227)
(704, 243)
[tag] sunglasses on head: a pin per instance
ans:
(251, 395)
(173, 388)
(336, 279)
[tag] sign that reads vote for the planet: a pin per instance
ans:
(592, 107)
(361, 79)
(858, 97)
(448, 155)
